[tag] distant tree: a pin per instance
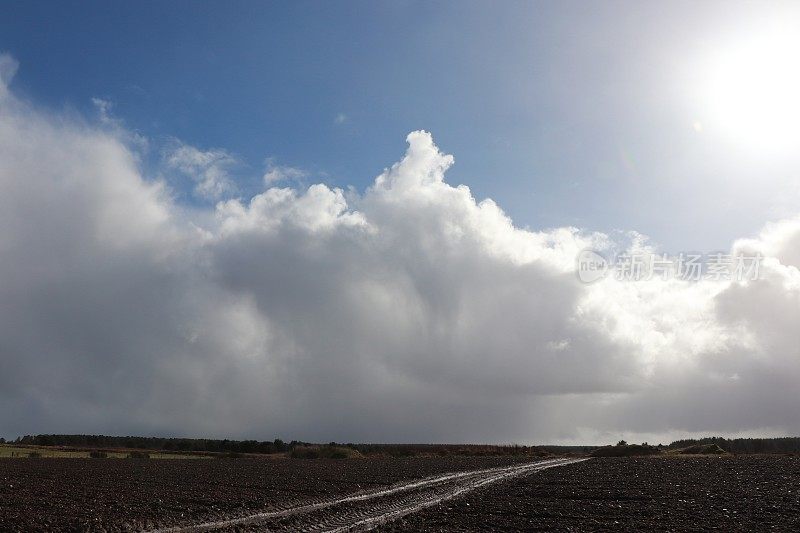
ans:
(622, 443)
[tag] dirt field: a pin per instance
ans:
(666, 493)
(132, 495)
(745, 493)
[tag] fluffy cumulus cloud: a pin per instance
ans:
(409, 312)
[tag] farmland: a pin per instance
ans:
(131, 495)
(733, 493)
(403, 494)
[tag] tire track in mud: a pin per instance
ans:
(366, 510)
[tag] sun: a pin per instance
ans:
(752, 92)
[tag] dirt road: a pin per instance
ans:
(366, 510)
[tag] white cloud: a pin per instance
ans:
(411, 312)
(103, 107)
(8, 68)
(209, 169)
(340, 118)
(280, 173)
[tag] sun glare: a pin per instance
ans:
(753, 92)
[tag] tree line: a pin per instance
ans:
(745, 445)
(159, 443)
(279, 446)
(177, 444)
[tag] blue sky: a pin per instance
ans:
(569, 113)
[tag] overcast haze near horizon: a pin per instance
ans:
(210, 224)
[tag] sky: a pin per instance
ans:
(566, 113)
(359, 221)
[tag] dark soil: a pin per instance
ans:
(676, 493)
(131, 495)
(742, 493)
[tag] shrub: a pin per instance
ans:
(625, 450)
(138, 455)
(98, 454)
(711, 449)
(305, 452)
(338, 452)
(323, 452)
